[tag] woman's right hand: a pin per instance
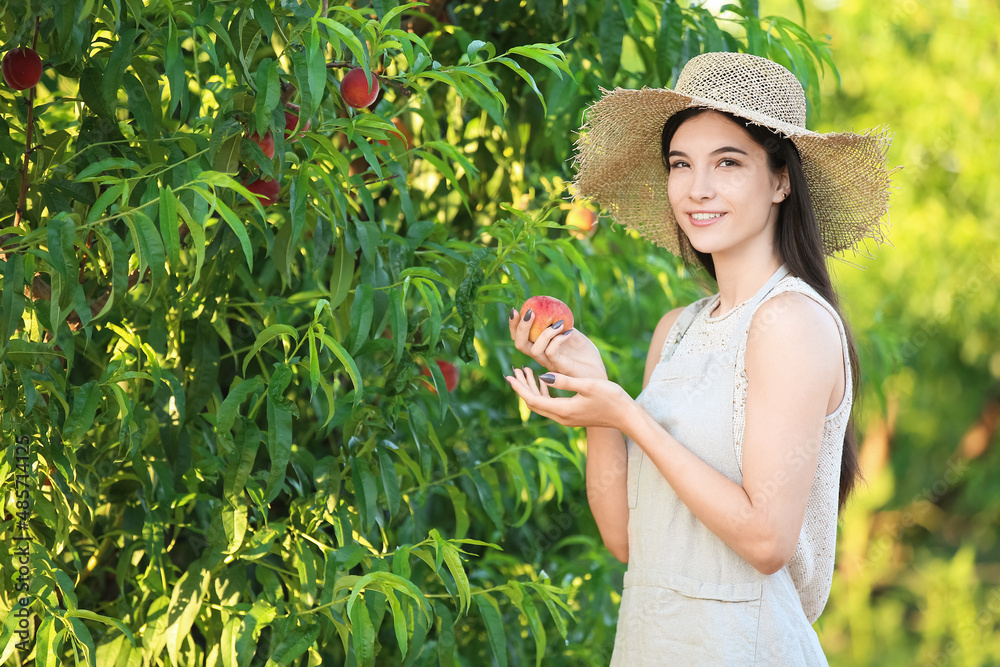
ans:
(569, 353)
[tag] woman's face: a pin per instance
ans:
(721, 189)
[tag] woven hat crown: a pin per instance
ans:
(741, 81)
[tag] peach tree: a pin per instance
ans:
(230, 300)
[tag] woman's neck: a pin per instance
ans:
(739, 279)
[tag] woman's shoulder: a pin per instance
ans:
(796, 319)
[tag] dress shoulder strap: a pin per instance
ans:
(680, 327)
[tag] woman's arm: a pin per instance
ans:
(793, 362)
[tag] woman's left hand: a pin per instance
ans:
(600, 403)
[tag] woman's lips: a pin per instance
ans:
(704, 219)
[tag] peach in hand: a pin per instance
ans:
(546, 311)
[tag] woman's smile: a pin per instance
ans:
(705, 218)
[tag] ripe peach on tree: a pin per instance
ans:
(448, 370)
(266, 189)
(581, 221)
(22, 68)
(266, 142)
(291, 120)
(356, 90)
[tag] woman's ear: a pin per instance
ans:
(782, 186)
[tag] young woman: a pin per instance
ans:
(721, 483)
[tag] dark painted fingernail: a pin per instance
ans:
(567, 333)
(558, 324)
(527, 315)
(512, 311)
(548, 378)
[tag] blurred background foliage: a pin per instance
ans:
(918, 578)
(238, 458)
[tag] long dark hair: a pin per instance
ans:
(801, 248)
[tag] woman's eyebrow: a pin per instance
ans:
(723, 149)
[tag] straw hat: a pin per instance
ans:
(619, 163)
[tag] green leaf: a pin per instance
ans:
(365, 491)
(364, 635)
(86, 400)
(348, 362)
(668, 42)
(237, 225)
(138, 104)
(229, 410)
(234, 521)
(247, 442)
(49, 643)
(152, 250)
(295, 643)
(279, 433)
(262, 12)
(185, 603)
(390, 481)
(459, 501)
(490, 612)
(169, 225)
(12, 302)
(84, 640)
(453, 562)
(397, 322)
(349, 39)
(268, 93)
(92, 170)
(609, 40)
(61, 234)
(114, 69)
(446, 636)
(266, 336)
(342, 275)
(197, 232)
(314, 374)
(107, 198)
(106, 620)
(362, 311)
(488, 495)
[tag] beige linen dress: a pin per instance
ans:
(688, 598)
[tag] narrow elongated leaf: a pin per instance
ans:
(364, 635)
(390, 480)
(348, 361)
(266, 336)
(102, 166)
(152, 250)
(365, 491)
(490, 612)
(12, 302)
(487, 495)
(279, 438)
(609, 40)
(294, 644)
(114, 69)
(169, 226)
(228, 411)
(238, 227)
(247, 442)
(185, 603)
(138, 104)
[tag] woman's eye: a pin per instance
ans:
(729, 163)
(677, 164)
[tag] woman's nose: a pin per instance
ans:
(702, 185)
